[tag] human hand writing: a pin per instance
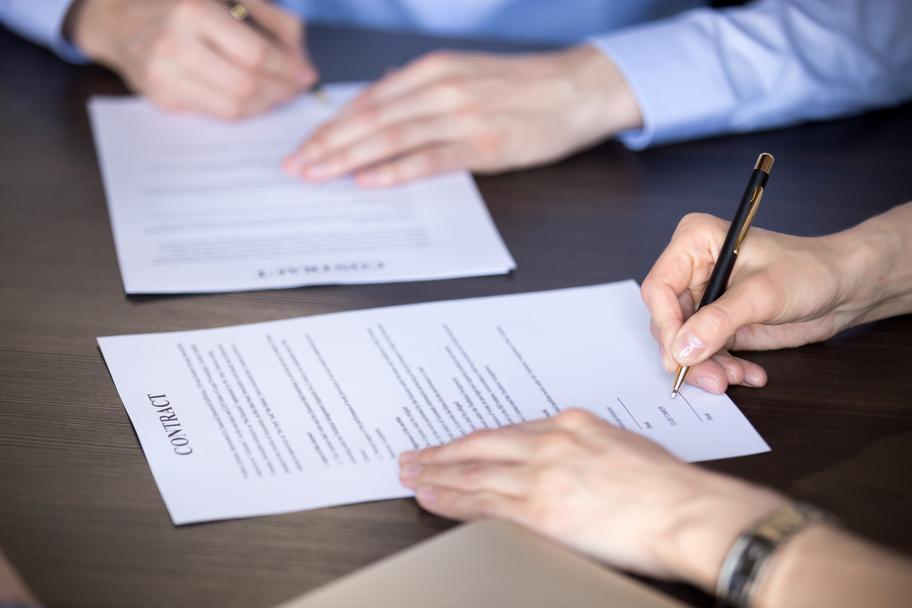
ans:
(482, 112)
(602, 490)
(191, 55)
(784, 291)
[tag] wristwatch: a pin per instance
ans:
(745, 562)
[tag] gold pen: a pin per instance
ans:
(240, 13)
(718, 280)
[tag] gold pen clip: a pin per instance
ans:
(755, 203)
(765, 164)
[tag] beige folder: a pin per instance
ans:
(483, 564)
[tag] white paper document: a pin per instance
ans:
(199, 205)
(310, 412)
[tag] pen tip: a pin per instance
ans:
(674, 394)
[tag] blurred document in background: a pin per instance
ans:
(199, 205)
(310, 412)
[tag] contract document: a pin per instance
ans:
(311, 412)
(199, 205)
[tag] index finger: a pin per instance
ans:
(679, 269)
(415, 74)
(668, 279)
(505, 444)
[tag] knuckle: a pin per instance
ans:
(735, 372)
(435, 60)
(470, 443)
(691, 220)
(703, 223)
(576, 418)
(646, 288)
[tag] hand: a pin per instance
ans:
(191, 55)
(785, 291)
(601, 490)
(12, 589)
(483, 112)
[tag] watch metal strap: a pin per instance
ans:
(751, 551)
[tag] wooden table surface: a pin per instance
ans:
(80, 514)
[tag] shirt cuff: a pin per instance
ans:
(42, 22)
(676, 77)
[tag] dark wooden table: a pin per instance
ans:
(79, 512)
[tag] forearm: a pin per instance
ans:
(767, 64)
(875, 262)
(822, 565)
(604, 104)
(825, 566)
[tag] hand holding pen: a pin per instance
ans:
(195, 56)
(239, 12)
(728, 254)
(784, 291)
(696, 267)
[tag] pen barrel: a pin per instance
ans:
(718, 280)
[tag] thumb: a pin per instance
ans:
(709, 329)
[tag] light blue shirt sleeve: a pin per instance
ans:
(769, 64)
(41, 21)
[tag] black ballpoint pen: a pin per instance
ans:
(240, 13)
(718, 280)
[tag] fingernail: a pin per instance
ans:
(408, 456)
(426, 495)
(753, 379)
(709, 384)
(688, 348)
(410, 471)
